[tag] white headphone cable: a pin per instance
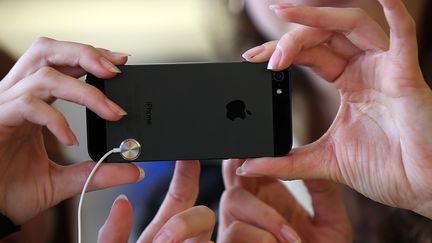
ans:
(115, 150)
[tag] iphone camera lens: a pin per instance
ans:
(278, 76)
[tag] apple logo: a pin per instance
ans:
(237, 109)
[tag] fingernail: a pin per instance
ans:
(73, 138)
(240, 171)
(120, 54)
(109, 66)
(115, 108)
(275, 59)
(281, 6)
(163, 237)
(122, 196)
(142, 174)
(253, 52)
(289, 234)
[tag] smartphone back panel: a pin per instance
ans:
(195, 111)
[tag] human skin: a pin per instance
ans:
(177, 220)
(273, 27)
(30, 182)
(380, 141)
(263, 210)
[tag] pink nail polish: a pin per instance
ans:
(251, 53)
(275, 59)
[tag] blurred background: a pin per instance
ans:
(150, 30)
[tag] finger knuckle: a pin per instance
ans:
(25, 100)
(44, 80)
(231, 195)
(41, 42)
(88, 49)
(236, 226)
(179, 197)
(44, 72)
(294, 37)
(288, 37)
(180, 221)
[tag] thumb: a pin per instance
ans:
(313, 161)
(119, 222)
(69, 181)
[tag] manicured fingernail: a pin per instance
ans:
(122, 196)
(73, 138)
(281, 6)
(240, 171)
(120, 54)
(275, 59)
(109, 66)
(163, 237)
(253, 52)
(289, 234)
(142, 174)
(115, 108)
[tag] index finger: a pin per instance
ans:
(354, 23)
(118, 225)
(49, 52)
(194, 224)
(181, 195)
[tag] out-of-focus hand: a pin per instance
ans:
(177, 219)
(263, 210)
(29, 181)
(380, 142)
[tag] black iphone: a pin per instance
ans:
(195, 111)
